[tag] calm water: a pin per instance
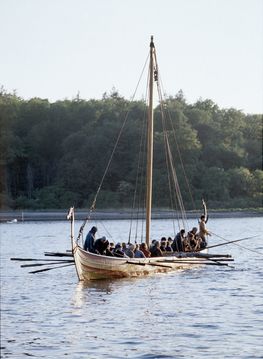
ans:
(210, 312)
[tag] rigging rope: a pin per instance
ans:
(166, 157)
(179, 153)
(175, 194)
(140, 160)
(92, 208)
(182, 163)
(169, 158)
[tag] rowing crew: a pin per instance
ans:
(192, 242)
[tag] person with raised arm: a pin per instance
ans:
(203, 231)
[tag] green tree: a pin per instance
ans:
(240, 182)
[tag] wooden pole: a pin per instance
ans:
(58, 254)
(71, 216)
(229, 242)
(213, 262)
(46, 269)
(39, 259)
(45, 264)
(150, 149)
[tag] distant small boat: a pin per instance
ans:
(12, 221)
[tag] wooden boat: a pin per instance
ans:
(91, 266)
(95, 266)
(12, 221)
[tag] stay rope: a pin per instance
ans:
(173, 201)
(179, 154)
(139, 166)
(92, 208)
(169, 159)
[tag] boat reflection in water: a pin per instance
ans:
(89, 292)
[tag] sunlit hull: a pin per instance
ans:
(90, 266)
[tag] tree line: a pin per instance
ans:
(53, 155)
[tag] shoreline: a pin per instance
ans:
(60, 215)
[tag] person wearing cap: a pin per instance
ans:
(90, 240)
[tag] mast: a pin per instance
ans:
(150, 147)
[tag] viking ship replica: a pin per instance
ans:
(91, 265)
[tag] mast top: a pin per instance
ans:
(152, 44)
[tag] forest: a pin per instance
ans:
(53, 155)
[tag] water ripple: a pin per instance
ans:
(201, 313)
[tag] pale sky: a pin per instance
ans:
(208, 48)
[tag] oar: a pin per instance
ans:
(195, 262)
(214, 262)
(210, 255)
(44, 264)
(46, 269)
(215, 258)
(58, 254)
(218, 259)
(220, 263)
(149, 263)
(182, 262)
(38, 259)
(136, 263)
(223, 257)
(228, 242)
(159, 265)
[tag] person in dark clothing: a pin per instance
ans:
(190, 242)
(168, 247)
(155, 250)
(108, 251)
(118, 252)
(177, 244)
(194, 239)
(130, 250)
(90, 240)
(100, 245)
(163, 244)
(194, 232)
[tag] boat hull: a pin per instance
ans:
(91, 266)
